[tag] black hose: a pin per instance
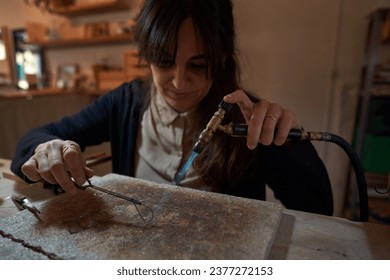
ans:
(241, 130)
(358, 169)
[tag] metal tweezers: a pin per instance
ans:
(132, 200)
(89, 185)
(22, 203)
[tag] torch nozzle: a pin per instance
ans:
(213, 125)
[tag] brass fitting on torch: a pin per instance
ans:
(214, 123)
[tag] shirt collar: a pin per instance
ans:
(167, 114)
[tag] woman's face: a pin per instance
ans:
(184, 84)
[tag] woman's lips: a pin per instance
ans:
(179, 94)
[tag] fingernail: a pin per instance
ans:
(251, 147)
(80, 181)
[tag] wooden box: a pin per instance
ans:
(110, 79)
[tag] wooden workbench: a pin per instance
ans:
(203, 225)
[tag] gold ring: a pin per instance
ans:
(70, 146)
(272, 117)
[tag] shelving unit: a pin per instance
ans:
(93, 8)
(369, 95)
(80, 42)
(84, 10)
(91, 33)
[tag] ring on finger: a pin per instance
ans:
(272, 117)
(70, 146)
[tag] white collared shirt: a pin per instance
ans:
(164, 144)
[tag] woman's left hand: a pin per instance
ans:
(263, 118)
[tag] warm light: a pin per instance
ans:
(2, 51)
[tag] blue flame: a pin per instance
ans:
(180, 176)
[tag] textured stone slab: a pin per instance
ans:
(187, 224)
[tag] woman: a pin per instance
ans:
(152, 125)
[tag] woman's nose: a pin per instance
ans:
(179, 79)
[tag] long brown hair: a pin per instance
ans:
(224, 159)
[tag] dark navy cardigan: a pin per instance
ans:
(296, 174)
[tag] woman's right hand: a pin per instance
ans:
(57, 162)
(263, 117)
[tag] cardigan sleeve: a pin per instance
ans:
(298, 177)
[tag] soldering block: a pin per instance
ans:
(187, 224)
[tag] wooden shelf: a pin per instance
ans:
(87, 9)
(80, 42)
(377, 93)
(51, 91)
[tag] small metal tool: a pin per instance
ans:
(146, 216)
(89, 185)
(22, 203)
